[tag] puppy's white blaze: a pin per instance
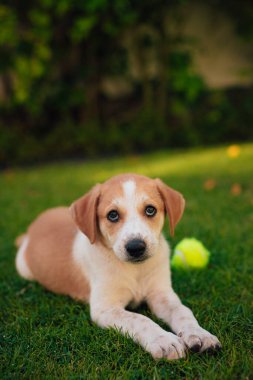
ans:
(134, 225)
(130, 200)
(129, 188)
(21, 264)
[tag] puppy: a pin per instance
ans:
(108, 250)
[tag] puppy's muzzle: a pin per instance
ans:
(136, 249)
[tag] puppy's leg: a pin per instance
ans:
(158, 342)
(168, 307)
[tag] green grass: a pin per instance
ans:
(45, 336)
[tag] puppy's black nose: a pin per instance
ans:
(135, 248)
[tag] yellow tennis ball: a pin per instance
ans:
(190, 253)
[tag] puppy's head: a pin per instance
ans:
(126, 214)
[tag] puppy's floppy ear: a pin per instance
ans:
(174, 203)
(84, 213)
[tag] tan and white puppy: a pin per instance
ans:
(108, 250)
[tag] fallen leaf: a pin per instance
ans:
(236, 189)
(210, 184)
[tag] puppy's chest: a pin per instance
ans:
(136, 301)
(139, 287)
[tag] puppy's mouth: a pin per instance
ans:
(136, 260)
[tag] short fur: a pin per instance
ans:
(80, 253)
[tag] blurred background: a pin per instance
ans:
(94, 78)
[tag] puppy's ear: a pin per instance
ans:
(84, 213)
(174, 203)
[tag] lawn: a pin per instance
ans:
(46, 336)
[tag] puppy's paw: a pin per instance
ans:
(200, 340)
(167, 346)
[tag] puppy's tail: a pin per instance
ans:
(19, 240)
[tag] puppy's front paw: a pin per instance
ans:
(167, 346)
(200, 340)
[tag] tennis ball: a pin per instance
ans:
(190, 253)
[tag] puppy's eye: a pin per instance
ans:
(150, 211)
(113, 216)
